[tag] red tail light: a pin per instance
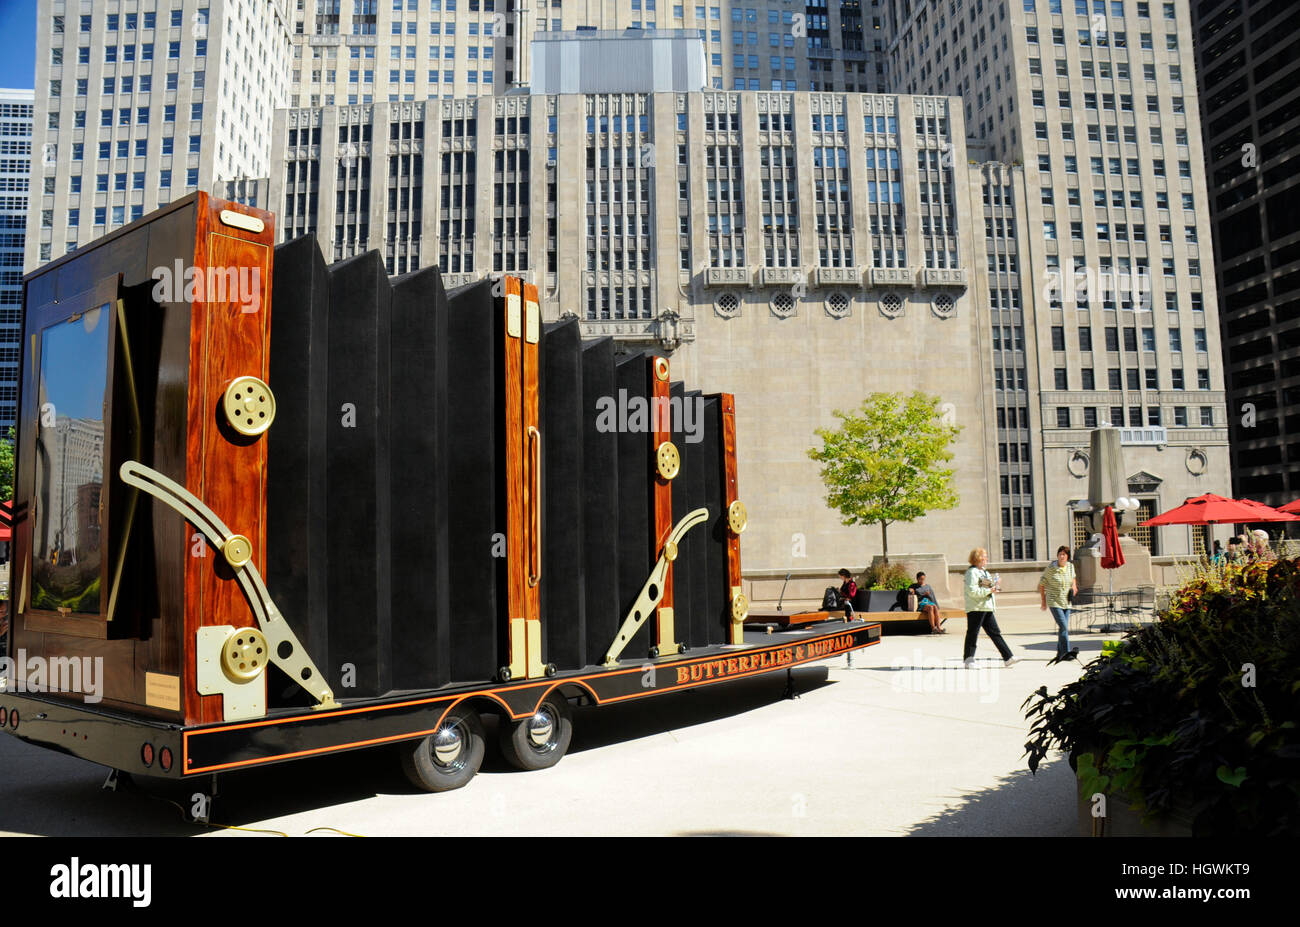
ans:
(165, 759)
(4, 714)
(146, 754)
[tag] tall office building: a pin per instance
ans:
(371, 51)
(1248, 68)
(803, 248)
(1112, 314)
(143, 101)
(15, 179)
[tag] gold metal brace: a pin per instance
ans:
(285, 650)
(652, 593)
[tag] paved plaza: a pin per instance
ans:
(906, 742)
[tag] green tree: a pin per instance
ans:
(884, 463)
(7, 467)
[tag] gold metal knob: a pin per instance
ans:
(668, 460)
(249, 405)
(238, 550)
(661, 368)
(739, 607)
(245, 654)
(737, 517)
(670, 551)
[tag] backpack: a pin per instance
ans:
(830, 599)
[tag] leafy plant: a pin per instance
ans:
(886, 575)
(884, 463)
(1195, 711)
(7, 466)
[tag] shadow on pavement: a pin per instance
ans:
(599, 727)
(1016, 805)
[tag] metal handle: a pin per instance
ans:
(286, 651)
(535, 501)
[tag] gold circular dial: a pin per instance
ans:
(245, 654)
(670, 551)
(238, 550)
(661, 368)
(737, 517)
(739, 607)
(668, 460)
(249, 405)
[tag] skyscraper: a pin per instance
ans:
(15, 182)
(137, 108)
(1250, 104)
(374, 51)
(1094, 103)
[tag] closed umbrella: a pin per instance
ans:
(1112, 557)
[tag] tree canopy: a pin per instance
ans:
(884, 464)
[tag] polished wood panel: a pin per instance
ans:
(530, 426)
(662, 498)
(513, 435)
(785, 619)
(731, 495)
(225, 470)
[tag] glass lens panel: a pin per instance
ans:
(66, 542)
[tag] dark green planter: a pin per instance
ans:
(1122, 821)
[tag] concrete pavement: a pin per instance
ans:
(907, 741)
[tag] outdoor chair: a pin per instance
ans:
(1136, 603)
(1084, 608)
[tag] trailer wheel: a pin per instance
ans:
(540, 740)
(449, 757)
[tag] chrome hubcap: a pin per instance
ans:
(447, 744)
(540, 727)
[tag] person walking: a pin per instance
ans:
(1054, 589)
(980, 589)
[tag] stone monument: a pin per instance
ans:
(1107, 486)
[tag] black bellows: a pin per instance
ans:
(385, 483)
(358, 470)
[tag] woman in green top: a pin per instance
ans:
(1054, 589)
(980, 589)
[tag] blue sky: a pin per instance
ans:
(18, 31)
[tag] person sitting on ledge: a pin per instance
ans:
(927, 603)
(848, 589)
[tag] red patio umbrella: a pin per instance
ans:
(1291, 507)
(1266, 512)
(1208, 509)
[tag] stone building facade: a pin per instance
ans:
(1094, 106)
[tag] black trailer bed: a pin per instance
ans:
(116, 739)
